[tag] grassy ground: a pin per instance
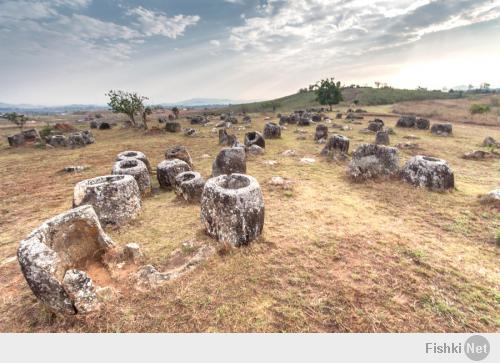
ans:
(455, 110)
(334, 256)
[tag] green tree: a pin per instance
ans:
(328, 92)
(129, 103)
(15, 118)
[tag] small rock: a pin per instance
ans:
(132, 252)
(289, 153)
(307, 161)
(75, 168)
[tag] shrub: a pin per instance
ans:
(477, 108)
(45, 131)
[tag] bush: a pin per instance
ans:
(479, 108)
(46, 131)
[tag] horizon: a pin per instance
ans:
(62, 52)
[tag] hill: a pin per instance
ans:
(366, 96)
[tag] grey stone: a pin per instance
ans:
(254, 138)
(255, 150)
(422, 124)
(406, 121)
(425, 171)
(232, 208)
(272, 131)
(336, 144)
(445, 129)
(133, 154)
(382, 138)
(189, 186)
(230, 160)
(371, 161)
(179, 152)
(137, 169)
(321, 133)
(167, 170)
(116, 198)
(58, 245)
(81, 291)
(172, 126)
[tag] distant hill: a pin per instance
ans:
(366, 96)
(47, 110)
(205, 102)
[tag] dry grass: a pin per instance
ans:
(334, 256)
(455, 110)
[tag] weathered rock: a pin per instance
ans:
(57, 140)
(190, 132)
(492, 197)
(407, 146)
(132, 252)
(232, 119)
(353, 116)
(247, 119)
(189, 185)
(60, 244)
(94, 124)
(336, 144)
(406, 121)
(197, 120)
(104, 126)
(137, 169)
(116, 198)
(172, 126)
(304, 121)
(167, 170)
(316, 118)
(179, 152)
(422, 124)
(371, 161)
(232, 208)
(226, 139)
(134, 155)
(81, 291)
(321, 133)
(481, 155)
(307, 161)
(445, 129)
(425, 171)
(382, 138)
(338, 116)
(376, 125)
(272, 131)
(230, 160)
(76, 140)
(254, 138)
(74, 168)
(255, 150)
(490, 142)
(16, 140)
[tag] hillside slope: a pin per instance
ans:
(366, 96)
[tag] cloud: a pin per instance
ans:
(215, 43)
(158, 23)
(339, 28)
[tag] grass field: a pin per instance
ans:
(334, 256)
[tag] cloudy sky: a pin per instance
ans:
(72, 51)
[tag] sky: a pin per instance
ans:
(55, 52)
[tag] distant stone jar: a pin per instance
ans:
(321, 133)
(272, 131)
(189, 186)
(371, 161)
(232, 209)
(432, 173)
(230, 160)
(445, 129)
(406, 121)
(132, 154)
(179, 152)
(137, 169)
(172, 126)
(382, 138)
(336, 144)
(116, 198)
(422, 124)
(254, 138)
